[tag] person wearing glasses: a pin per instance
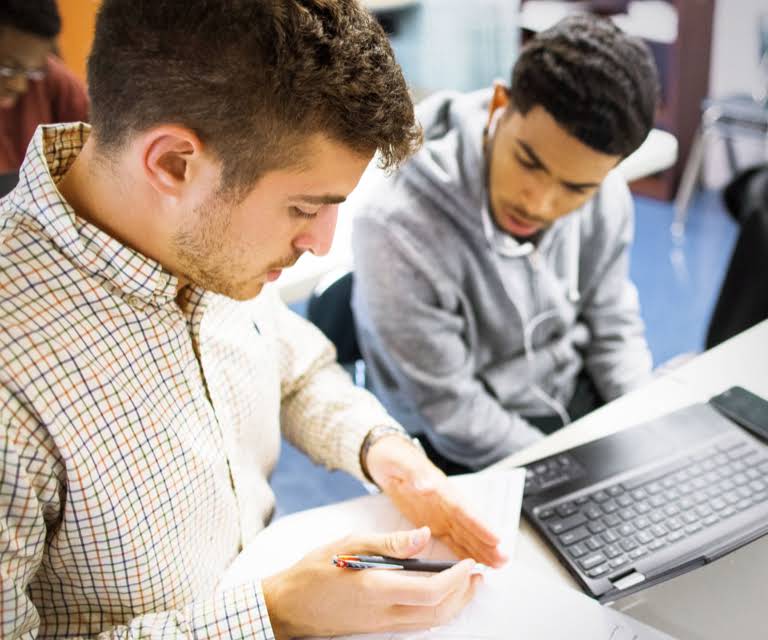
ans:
(492, 297)
(35, 86)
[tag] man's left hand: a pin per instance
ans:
(425, 496)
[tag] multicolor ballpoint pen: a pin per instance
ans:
(352, 561)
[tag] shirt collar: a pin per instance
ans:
(52, 151)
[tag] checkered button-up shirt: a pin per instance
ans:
(137, 431)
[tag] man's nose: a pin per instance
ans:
(317, 236)
(539, 201)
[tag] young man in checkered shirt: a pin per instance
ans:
(145, 376)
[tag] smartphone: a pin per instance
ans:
(745, 408)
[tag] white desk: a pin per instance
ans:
(743, 361)
(658, 152)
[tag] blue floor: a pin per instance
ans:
(678, 285)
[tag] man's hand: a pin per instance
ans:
(423, 494)
(316, 598)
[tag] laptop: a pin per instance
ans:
(639, 507)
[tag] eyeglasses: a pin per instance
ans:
(13, 72)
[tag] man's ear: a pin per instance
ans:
(499, 100)
(169, 154)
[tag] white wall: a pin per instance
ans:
(735, 69)
(735, 46)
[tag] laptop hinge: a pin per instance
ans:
(629, 580)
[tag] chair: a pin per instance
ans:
(8, 182)
(728, 118)
(330, 309)
(743, 298)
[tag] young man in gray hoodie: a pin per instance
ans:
(492, 297)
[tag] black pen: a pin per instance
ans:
(352, 561)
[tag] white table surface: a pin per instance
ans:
(742, 360)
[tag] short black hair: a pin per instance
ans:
(598, 83)
(252, 78)
(39, 17)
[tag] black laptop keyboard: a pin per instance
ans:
(604, 531)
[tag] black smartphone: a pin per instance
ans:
(745, 408)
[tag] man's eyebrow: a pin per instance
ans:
(532, 155)
(577, 186)
(327, 198)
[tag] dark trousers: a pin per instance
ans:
(584, 400)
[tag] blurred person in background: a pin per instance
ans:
(35, 86)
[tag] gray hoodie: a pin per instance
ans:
(463, 329)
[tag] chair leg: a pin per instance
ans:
(689, 180)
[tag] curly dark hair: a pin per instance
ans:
(598, 83)
(252, 78)
(39, 17)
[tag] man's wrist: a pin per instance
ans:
(376, 434)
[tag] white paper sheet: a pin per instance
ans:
(512, 603)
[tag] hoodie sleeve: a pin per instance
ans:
(414, 335)
(617, 357)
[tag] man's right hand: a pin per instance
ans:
(316, 598)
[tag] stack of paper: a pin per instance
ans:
(512, 603)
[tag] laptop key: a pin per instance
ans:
(626, 530)
(642, 507)
(628, 544)
(727, 512)
(611, 520)
(609, 506)
(600, 496)
(612, 550)
(654, 487)
(710, 520)
(577, 550)
(657, 501)
(592, 512)
(673, 524)
(656, 544)
(675, 536)
(610, 537)
(575, 535)
(566, 524)
(596, 527)
(718, 503)
(566, 509)
(624, 501)
(615, 490)
(638, 553)
(592, 560)
(593, 544)
(693, 528)
(598, 571)
(644, 537)
(627, 514)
